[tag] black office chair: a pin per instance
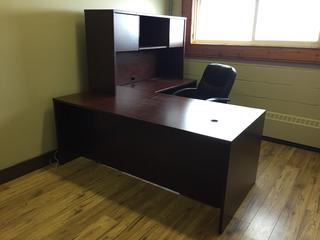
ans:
(215, 84)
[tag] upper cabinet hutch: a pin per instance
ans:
(125, 47)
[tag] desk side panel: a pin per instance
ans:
(242, 170)
(73, 131)
(99, 27)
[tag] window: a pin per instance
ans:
(217, 21)
(288, 20)
(258, 22)
(280, 30)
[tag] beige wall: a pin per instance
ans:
(176, 7)
(289, 92)
(42, 55)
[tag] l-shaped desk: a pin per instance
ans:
(204, 150)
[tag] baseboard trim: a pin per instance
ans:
(25, 167)
(276, 140)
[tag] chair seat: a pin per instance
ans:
(215, 84)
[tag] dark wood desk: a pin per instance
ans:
(204, 150)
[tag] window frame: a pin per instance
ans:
(244, 52)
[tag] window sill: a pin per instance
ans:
(263, 53)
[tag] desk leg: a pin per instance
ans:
(242, 170)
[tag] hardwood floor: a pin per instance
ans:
(86, 200)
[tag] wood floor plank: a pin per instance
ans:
(46, 195)
(268, 152)
(82, 201)
(265, 181)
(186, 224)
(303, 212)
(310, 226)
(291, 217)
(263, 223)
(29, 186)
(96, 229)
(86, 200)
(168, 215)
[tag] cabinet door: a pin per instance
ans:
(126, 32)
(176, 38)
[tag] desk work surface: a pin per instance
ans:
(217, 120)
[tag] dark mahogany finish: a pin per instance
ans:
(168, 140)
(125, 46)
(207, 151)
(100, 51)
(131, 67)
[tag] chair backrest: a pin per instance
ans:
(217, 81)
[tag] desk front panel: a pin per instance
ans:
(190, 164)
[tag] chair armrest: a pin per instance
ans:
(218, 99)
(186, 92)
